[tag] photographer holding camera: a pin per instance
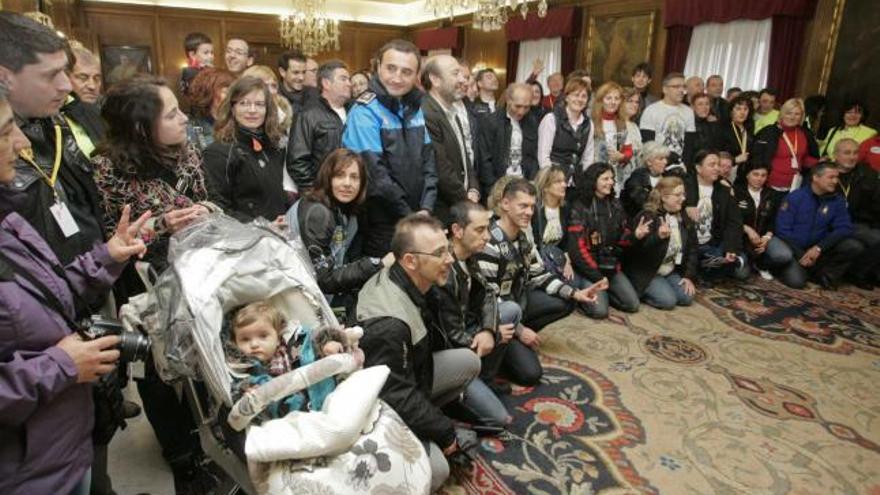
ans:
(597, 234)
(46, 368)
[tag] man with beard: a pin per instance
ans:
(452, 131)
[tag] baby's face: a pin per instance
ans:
(258, 340)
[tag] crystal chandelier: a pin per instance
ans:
(489, 15)
(309, 29)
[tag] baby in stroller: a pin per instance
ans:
(262, 345)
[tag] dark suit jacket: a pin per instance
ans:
(452, 173)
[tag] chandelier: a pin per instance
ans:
(489, 15)
(309, 29)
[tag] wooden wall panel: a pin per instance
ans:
(487, 50)
(164, 29)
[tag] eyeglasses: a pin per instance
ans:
(249, 105)
(440, 253)
(241, 53)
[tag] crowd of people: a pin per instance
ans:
(451, 220)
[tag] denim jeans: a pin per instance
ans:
(620, 294)
(666, 292)
(482, 402)
(710, 253)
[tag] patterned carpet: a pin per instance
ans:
(756, 389)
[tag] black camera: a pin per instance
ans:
(607, 259)
(132, 346)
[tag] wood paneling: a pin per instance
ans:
(487, 50)
(164, 29)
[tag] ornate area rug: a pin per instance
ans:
(756, 389)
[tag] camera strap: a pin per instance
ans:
(43, 294)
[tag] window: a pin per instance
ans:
(738, 51)
(547, 49)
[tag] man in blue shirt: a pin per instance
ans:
(815, 223)
(387, 127)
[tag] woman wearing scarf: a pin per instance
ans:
(244, 167)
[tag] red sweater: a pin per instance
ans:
(781, 172)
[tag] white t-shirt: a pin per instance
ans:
(654, 180)
(669, 123)
(674, 249)
(704, 219)
(516, 139)
(756, 196)
(341, 112)
(553, 230)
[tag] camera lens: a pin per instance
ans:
(133, 347)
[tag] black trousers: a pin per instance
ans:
(171, 419)
(833, 263)
(521, 362)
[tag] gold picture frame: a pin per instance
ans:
(616, 43)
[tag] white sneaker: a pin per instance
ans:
(765, 274)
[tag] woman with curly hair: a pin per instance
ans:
(205, 94)
(244, 167)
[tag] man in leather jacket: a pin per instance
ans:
(55, 176)
(400, 332)
(498, 155)
(318, 129)
(470, 314)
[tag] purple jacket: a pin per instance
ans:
(45, 416)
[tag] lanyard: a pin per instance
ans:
(28, 156)
(792, 149)
(740, 140)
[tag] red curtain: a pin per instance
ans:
(786, 43)
(693, 12)
(678, 40)
(435, 39)
(557, 23)
(512, 60)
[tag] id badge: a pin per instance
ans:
(64, 219)
(678, 258)
(796, 182)
(505, 287)
(794, 163)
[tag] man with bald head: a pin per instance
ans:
(509, 139)
(694, 86)
(860, 185)
(452, 130)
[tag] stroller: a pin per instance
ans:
(354, 444)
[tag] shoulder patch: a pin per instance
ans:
(366, 97)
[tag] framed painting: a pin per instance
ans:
(122, 62)
(616, 43)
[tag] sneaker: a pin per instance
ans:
(713, 262)
(765, 274)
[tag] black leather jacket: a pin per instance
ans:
(317, 226)
(494, 142)
(317, 132)
(244, 182)
(463, 313)
(75, 186)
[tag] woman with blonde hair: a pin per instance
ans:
(662, 264)
(787, 148)
(617, 140)
(549, 221)
(244, 167)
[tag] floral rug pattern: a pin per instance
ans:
(755, 389)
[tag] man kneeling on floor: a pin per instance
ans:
(400, 332)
